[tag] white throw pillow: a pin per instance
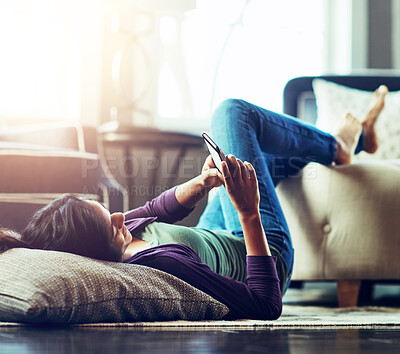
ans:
(334, 101)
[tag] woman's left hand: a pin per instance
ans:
(210, 175)
(241, 183)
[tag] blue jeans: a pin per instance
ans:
(278, 147)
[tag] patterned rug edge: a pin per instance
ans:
(292, 317)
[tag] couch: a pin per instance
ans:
(40, 162)
(345, 220)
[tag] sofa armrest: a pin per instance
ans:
(56, 135)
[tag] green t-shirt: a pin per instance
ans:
(223, 252)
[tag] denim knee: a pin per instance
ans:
(230, 113)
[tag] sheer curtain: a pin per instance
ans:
(51, 62)
(236, 48)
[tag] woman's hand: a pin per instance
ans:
(210, 175)
(240, 182)
(189, 193)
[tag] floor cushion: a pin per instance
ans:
(39, 286)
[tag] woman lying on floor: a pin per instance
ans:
(240, 252)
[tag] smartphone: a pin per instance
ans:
(215, 151)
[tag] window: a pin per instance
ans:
(235, 48)
(200, 53)
(40, 60)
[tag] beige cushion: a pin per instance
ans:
(334, 101)
(345, 220)
(52, 287)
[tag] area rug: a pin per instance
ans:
(292, 317)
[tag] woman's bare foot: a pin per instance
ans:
(368, 122)
(347, 138)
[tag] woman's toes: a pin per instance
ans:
(347, 138)
(376, 106)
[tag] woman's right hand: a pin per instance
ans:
(240, 182)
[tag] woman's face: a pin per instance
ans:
(119, 235)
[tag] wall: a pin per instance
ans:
(361, 34)
(380, 19)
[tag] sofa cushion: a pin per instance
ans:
(39, 286)
(344, 220)
(54, 135)
(334, 101)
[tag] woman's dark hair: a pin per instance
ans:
(10, 239)
(70, 224)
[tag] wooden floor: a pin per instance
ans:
(119, 340)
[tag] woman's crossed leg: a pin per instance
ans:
(278, 147)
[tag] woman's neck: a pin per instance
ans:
(134, 247)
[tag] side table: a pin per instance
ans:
(129, 137)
